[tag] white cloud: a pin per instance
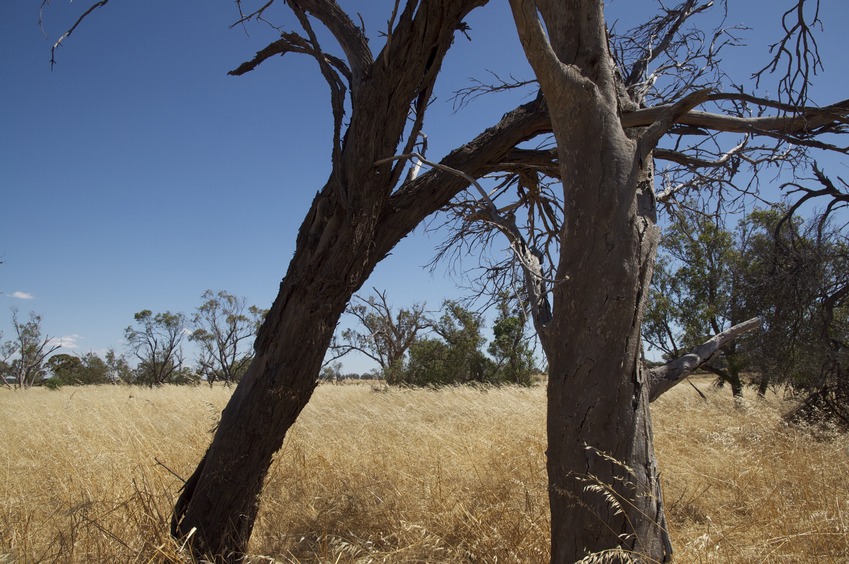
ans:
(69, 342)
(21, 296)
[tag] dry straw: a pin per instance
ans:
(451, 475)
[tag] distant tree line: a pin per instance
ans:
(411, 346)
(415, 347)
(792, 273)
(222, 327)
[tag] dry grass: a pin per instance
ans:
(455, 475)
(740, 486)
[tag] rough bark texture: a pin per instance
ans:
(603, 483)
(353, 223)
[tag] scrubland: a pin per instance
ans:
(375, 475)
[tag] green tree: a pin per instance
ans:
(332, 372)
(24, 357)
(118, 369)
(70, 370)
(224, 329)
(697, 291)
(386, 335)
(64, 369)
(156, 342)
(798, 277)
(456, 357)
(510, 348)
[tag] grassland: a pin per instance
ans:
(452, 475)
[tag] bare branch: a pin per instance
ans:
(665, 377)
(68, 33)
(805, 124)
(797, 52)
(289, 43)
(528, 257)
(256, 14)
(467, 95)
(350, 37)
(838, 198)
(673, 113)
(666, 27)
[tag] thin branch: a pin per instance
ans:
(527, 256)
(797, 51)
(467, 95)
(256, 14)
(839, 198)
(668, 25)
(289, 43)
(68, 33)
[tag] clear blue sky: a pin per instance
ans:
(136, 174)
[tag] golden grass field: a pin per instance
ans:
(451, 475)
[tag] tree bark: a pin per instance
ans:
(354, 222)
(603, 483)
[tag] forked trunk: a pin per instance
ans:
(603, 484)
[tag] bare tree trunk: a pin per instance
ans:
(603, 484)
(604, 489)
(338, 246)
(220, 500)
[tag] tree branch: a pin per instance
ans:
(68, 33)
(671, 22)
(350, 37)
(663, 378)
(289, 43)
(801, 60)
(527, 256)
(806, 123)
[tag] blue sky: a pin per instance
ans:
(136, 174)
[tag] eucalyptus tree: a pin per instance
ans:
(224, 329)
(385, 335)
(24, 357)
(609, 101)
(156, 341)
(510, 347)
(797, 273)
(70, 370)
(455, 357)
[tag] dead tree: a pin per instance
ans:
(604, 488)
(607, 123)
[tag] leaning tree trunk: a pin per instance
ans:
(355, 221)
(220, 500)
